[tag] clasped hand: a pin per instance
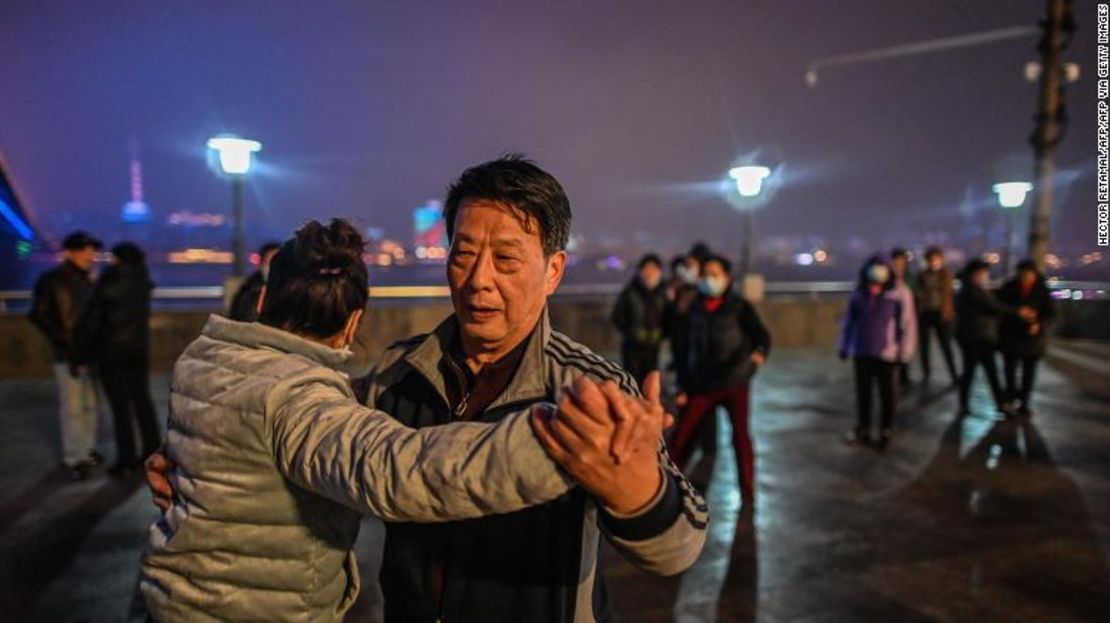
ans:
(608, 441)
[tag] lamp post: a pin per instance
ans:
(1011, 196)
(749, 184)
(235, 156)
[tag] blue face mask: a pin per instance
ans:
(712, 286)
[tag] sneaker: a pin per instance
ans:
(857, 436)
(1008, 410)
(95, 458)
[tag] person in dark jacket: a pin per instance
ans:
(726, 343)
(936, 311)
(244, 305)
(977, 316)
(640, 315)
(878, 334)
(1023, 342)
(58, 295)
(113, 332)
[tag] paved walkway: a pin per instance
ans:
(960, 520)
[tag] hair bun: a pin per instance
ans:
(329, 250)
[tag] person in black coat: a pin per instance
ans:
(1023, 342)
(977, 318)
(244, 305)
(726, 343)
(640, 315)
(113, 332)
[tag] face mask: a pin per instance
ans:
(878, 273)
(650, 284)
(686, 274)
(712, 286)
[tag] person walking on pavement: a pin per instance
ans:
(1023, 342)
(58, 295)
(878, 335)
(112, 333)
(977, 316)
(639, 314)
(937, 311)
(726, 343)
(905, 282)
(244, 305)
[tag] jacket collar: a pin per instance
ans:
(528, 384)
(257, 335)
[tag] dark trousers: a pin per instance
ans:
(1028, 375)
(871, 372)
(978, 353)
(126, 381)
(639, 360)
(735, 400)
(931, 322)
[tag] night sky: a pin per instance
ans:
(366, 109)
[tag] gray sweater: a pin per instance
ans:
(274, 463)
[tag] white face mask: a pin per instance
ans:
(713, 286)
(877, 273)
(686, 274)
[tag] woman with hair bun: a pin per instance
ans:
(273, 459)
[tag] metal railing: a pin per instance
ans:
(211, 297)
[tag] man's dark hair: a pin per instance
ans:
(899, 253)
(676, 261)
(720, 259)
(973, 265)
(650, 258)
(317, 280)
(518, 183)
(267, 247)
(129, 254)
(1027, 264)
(933, 252)
(80, 240)
(701, 252)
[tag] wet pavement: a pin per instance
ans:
(967, 519)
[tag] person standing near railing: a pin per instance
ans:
(112, 333)
(937, 311)
(1023, 342)
(244, 306)
(639, 314)
(58, 295)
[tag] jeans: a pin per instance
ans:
(76, 413)
(931, 321)
(698, 406)
(1028, 375)
(870, 372)
(978, 353)
(126, 382)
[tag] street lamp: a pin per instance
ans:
(235, 156)
(749, 181)
(1011, 196)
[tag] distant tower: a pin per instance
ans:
(135, 210)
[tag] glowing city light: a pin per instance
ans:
(1012, 194)
(749, 179)
(236, 154)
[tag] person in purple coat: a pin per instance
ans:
(878, 334)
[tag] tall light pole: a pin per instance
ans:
(1011, 196)
(1058, 26)
(749, 184)
(235, 157)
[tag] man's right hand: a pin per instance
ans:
(157, 469)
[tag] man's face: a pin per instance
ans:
(499, 277)
(83, 258)
(651, 274)
(898, 264)
(1027, 277)
(936, 261)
